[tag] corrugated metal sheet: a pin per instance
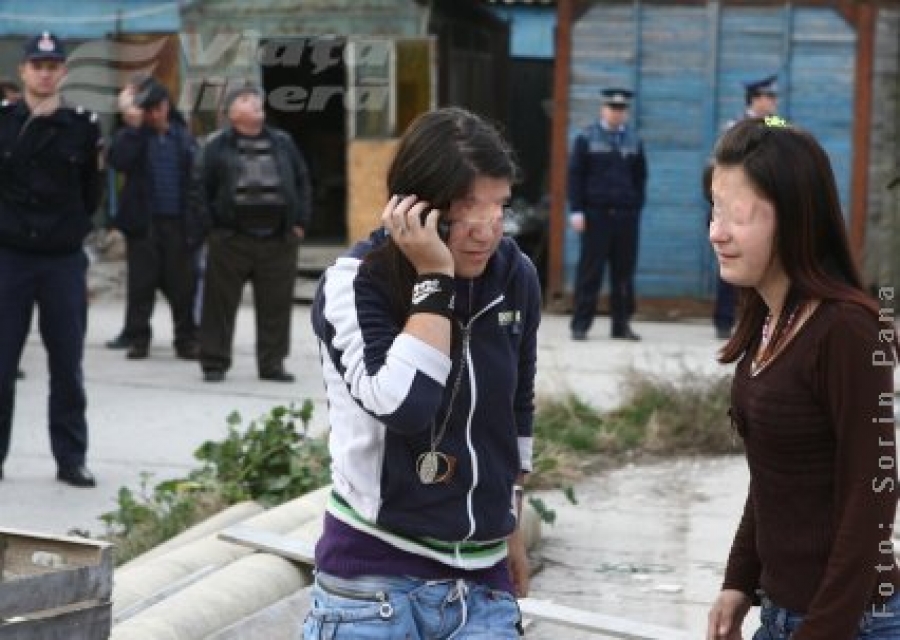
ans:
(687, 64)
(92, 19)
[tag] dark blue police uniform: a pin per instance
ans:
(49, 188)
(607, 183)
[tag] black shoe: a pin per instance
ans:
(20, 374)
(579, 336)
(722, 333)
(136, 352)
(213, 375)
(190, 352)
(119, 342)
(625, 334)
(77, 476)
(277, 376)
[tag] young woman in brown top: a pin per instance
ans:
(812, 399)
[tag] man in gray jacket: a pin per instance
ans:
(251, 189)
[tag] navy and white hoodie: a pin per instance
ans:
(385, 388)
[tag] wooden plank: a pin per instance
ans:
(49, 572)
(92, 622)
(294, 549)
(610, 626)
(21, 596)
(19, 549)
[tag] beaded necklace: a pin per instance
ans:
(766, 351)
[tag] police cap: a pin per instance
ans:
(617, 98)
(767, 86)
(44, 46)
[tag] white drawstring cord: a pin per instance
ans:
(461, 593)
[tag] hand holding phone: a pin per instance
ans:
(416, 230)
(443, 225)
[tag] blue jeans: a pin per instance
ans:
(397, 608)
(779, 623)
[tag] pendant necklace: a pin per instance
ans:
(765, 353)
(434, 466)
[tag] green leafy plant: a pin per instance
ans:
(149, 517)
(271, 461)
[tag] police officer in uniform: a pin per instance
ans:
(761, 99)
(11, 92)
(49, 188)
(607, 188)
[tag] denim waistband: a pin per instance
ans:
(364, 587)
(786, 621)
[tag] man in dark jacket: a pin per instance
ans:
(155, 151)
(607, 188)
(252, 189)
(49, 189)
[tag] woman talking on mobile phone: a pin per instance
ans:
(427, 334)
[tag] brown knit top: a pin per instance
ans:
(819, 433)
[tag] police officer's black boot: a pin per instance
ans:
(623, 332)
(77, 475)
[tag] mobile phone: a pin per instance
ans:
(443, 225)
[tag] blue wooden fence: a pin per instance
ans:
(687, 65)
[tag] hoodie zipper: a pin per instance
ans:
(473, 456)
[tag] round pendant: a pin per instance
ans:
(427, 467)
(434, 467)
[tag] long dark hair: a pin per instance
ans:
(438, 158)
(788, 167)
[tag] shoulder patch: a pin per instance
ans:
(87, 114)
